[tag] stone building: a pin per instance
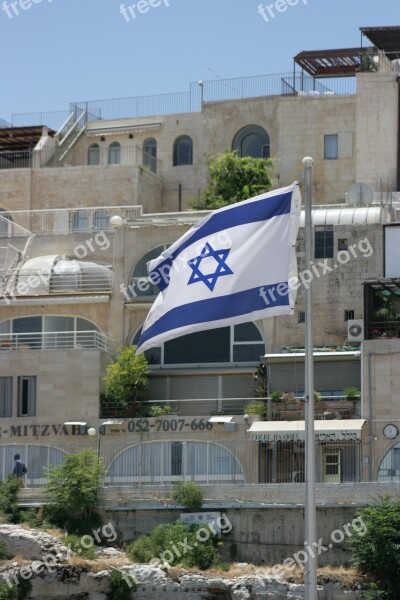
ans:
(74, 288)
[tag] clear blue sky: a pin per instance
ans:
(58, 51)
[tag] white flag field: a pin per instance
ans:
(232, 267)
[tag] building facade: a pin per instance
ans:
(74, 288)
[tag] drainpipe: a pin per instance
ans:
(398, 135)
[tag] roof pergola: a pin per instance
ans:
(386, 39)
(343, 62)
(13, 139)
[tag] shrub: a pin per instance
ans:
(351, 393)
(197, 551)
(376, 552)
(3, 552)
(7, 592)
(9, 489)
(75, 543)
(255, 408)
(188, 494)
(122, 585)
(276, 395)
(155, 410)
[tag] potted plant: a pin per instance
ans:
(276, 396)
(351, 393)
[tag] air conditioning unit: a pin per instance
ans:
(355, 330)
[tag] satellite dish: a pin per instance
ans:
(360, 193)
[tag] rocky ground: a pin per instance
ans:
(56, 573)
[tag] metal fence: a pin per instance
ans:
(235, 88)
(65, 221)
(208, 460)
(56, 340)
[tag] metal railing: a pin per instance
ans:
(57, 340)
(327, 408)
(66, 220)
(207, 459)
(383, 330)
(191, 101)
(21, 159)
(63, 156)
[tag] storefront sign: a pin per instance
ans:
(331, 436)
(135, 426)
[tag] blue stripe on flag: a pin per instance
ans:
(215, 309)
(238, 214)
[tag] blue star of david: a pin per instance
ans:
(210, 279)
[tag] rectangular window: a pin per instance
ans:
(324, 242)
(348, 315)
(343, 244)
(6, 396)
(301, 317)
(331, 147)
(26, 396)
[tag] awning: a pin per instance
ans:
(220, 419)
(347, 430)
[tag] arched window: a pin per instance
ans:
(5, 226)
(253, 141)
(141, 286)
(48, 332)
(94, 154)
(37, 458)
(165, 461)
(114, 153)
(183, 151)
(235, 344)
(389, 469)
(150, 154)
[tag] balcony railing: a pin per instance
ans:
(66, 221)
(383, 330)
(236, 88)
(57, 340)
(328, 408)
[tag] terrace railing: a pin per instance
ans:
(235, 88)
(57, 340)
(66, 221)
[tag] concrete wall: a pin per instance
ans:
(381, 395)
(377, 130)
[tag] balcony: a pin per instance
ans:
(57, 340)
(67, 220)
(382, 309)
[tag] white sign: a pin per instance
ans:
(203, 518)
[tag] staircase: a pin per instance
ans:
(68, 134)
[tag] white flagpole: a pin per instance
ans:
(310, 567)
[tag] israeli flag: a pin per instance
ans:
(234, 266)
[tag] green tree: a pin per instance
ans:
(377, 550)
(126, 377)
(73, 490)
(232, 179)
(188, 494)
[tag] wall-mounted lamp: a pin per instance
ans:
(117, 222)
